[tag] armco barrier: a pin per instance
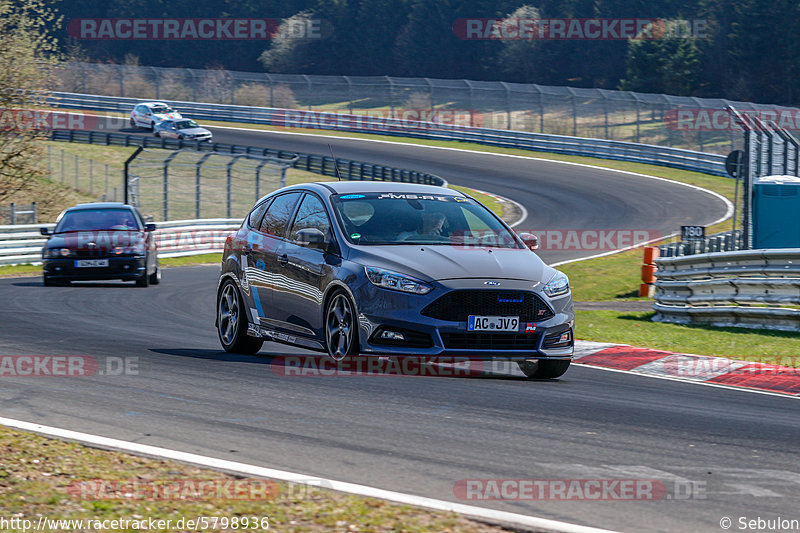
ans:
(21, 244)
(295, 118)
(747, 288)
(319, 164)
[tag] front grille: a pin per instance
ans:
(457, 306)
(490, 341)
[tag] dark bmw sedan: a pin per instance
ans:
(100, 241)
(391, 269)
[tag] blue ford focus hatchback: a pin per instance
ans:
(391, 269)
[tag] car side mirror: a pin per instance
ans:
(149, 227)
(311, 238)
(530, 240)
(44, 231)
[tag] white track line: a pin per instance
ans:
(283, 475)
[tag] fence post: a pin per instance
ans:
(541, 109)
(574, 112)
(91, 177)
(229, 166)
(391, 96)
(271, 91)
(508, 105)
(125, 173)
(349, 96)
(167, 161)
(62, 166)
(35, 212)
(106, 191)
(197, 186)
(13, 214)
(77, 188)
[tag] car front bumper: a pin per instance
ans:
(126, 268)
(381, 309)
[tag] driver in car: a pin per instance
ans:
(432, 224)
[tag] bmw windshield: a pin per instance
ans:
(399, 218)
(97, 219)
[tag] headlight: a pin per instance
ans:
(137, 249)
(58, 252)
(557, 286)
(387, 279)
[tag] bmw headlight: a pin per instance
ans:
(58, 252)
(387, 279)
(137, 249)
(558, 286)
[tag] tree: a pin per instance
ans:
(668, 63)
(519, 58)
(28, 58)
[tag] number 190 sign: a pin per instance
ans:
(693, 233)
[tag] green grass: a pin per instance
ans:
(36, 473)
(202, 259)
(614, 277)
(637, 329)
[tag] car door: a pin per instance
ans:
(305, 270)
(170, 131)
(262, 269)
(138, 111)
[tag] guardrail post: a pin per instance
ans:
(13, 214)
(35, 211)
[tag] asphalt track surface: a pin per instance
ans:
(734, 453)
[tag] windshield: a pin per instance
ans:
(185, 124)
(400, 218)
(97, 219)
(161, 109)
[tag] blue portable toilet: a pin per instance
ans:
(776, 212)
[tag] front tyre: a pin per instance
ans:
(341, 332)
(232, 322)
(544, 368)
(133, 124)
(155, 277)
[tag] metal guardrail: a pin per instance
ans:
(22, 243)
(318, 164)
(561, 144)
(745, 288)
(726, 241)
